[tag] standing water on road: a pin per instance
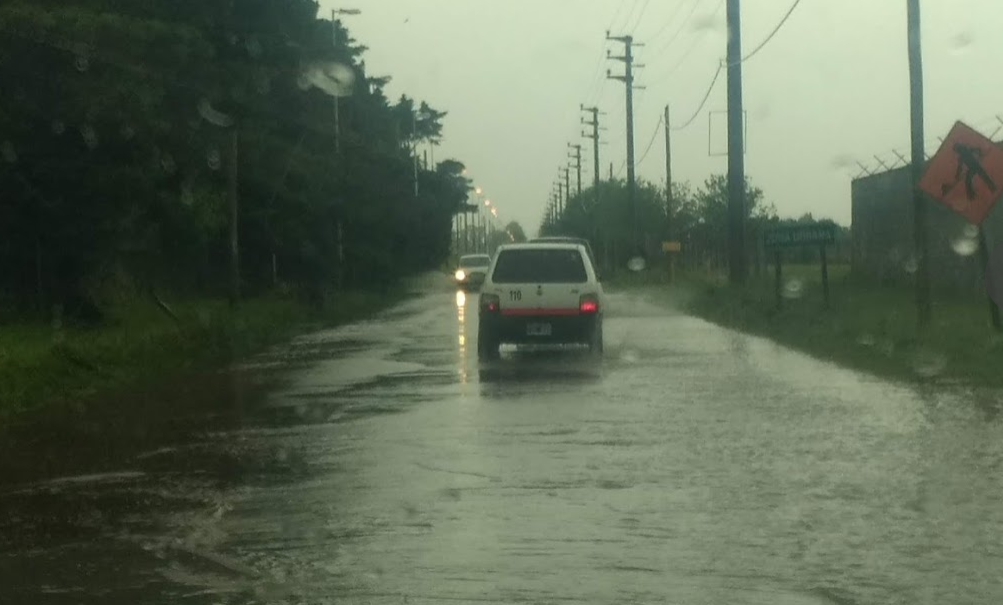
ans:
(693, 465)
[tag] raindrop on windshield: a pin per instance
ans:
(965, 246)
(866, 340)
(214, 116)
(962, 42)
(8, 152)
(929, 364)
(58, 127)
(263, 84)
(187, 197)
(89, 135)
(82, 63)
(911, 266)
(636, 264)
(128, 132)
(794, 288)
(167, 164)
(212, 158)
(334, 79)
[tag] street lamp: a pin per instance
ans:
(337, 98)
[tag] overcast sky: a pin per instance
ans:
(829, 89)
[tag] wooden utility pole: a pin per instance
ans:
(918, 164)
(628, 80)
(567, 186)
(736, 149)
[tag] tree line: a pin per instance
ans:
(126, 127)
(697, 218)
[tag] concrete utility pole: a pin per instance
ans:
(669, 202)
(577, 156)
(567, 186)
(736, 149)
(560, 195)
(628, 80)
(918, 164)
(594, 123)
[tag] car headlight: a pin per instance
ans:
(460, 275)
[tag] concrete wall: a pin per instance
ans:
(882, 219)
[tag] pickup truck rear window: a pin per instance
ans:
(558, 266)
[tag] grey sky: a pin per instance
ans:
(831, 87)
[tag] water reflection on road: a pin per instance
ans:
(693, 465)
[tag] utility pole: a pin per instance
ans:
(669, 202)
(628, 80)
(233, 196)
(560, 196)
(595, 142)
(567, 186)
(736, 148)
(918, 164)
(578, 163)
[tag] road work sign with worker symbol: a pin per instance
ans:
(966, 174)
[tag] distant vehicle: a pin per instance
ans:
(471, 270)
(540, 293)
(560, 239)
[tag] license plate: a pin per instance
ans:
(538, 329)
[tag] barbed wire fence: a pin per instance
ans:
(896, 158)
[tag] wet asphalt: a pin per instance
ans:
(380, 463)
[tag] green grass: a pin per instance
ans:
(867, 326)
(43, 366)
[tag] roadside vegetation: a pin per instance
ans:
(868, 326)
(132, 134)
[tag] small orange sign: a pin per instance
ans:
(966, 174)
(671, 247)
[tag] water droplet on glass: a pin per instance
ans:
(705, 23)
(965, 246)
(334, 79)
(58, 127)
(89, 135)
(213, 159)
(929, 364)
(866, 340)
(794, 288)
(843, 161)
(636, 264)
(253, 47)
(970, 231)
(127, 132)
(187, 197)
(263, 84)
(167, 164)
(82, 63)
(962, 42)
(214, 116)
(630, 356)
(8, 152)
(911, 266)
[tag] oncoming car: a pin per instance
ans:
(540, 293)
(471, 270)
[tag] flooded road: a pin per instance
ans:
(378, 463)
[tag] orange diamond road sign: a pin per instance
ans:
(966, 174)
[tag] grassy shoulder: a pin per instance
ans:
(867, 327)
(43, 366)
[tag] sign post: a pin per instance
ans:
(795, 237)
(672, 249)
(966, 175)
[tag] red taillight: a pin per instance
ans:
(589, 305)
(490, 303)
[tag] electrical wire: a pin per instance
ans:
(773, 33)
(651, 143)
(705, 97)
(682, 26)
(640, 16)
(667, 23)
(693, 46)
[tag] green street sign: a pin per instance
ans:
(808, 235)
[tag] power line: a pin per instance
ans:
(773, 33)
(705, 97)
(651, 143)
(640, 16)
(682, 26)
(667, 23)
(693, 45)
